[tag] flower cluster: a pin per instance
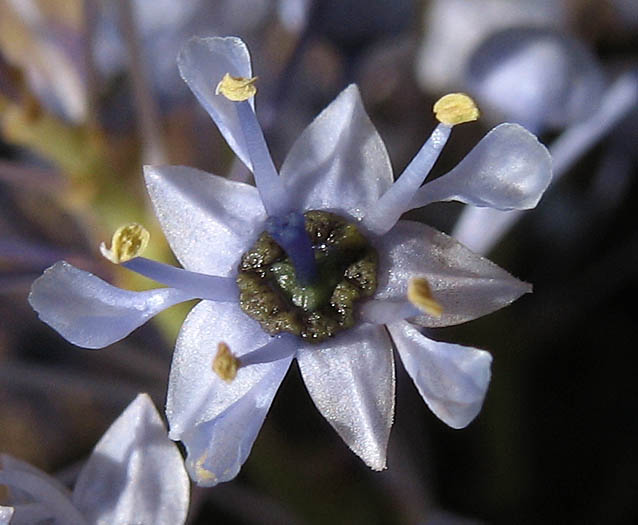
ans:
(228, 362)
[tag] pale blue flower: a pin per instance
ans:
(535, 77)
(482, 228)
(452, 29)
(339, 163)
(135, 474)
(542, 80)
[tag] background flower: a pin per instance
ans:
(134, 474)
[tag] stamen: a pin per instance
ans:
(420, 295)
(385, 311)
(290, 233)
(450, 110)
(396, 201)
(200, 285)
(225, 364)
(271, 188)
(455, 108)
(128, 242)
(236, 89)
(280, 347)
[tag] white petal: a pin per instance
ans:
(135, 474)
(452, 379)
(351, 381)
(9, 462)
(195, 393)
(219, 421)
(30, 513)
(218, 448)
(5, 515)
(91, 313)
(339, 162)
(508, 169)
(202, 63)
(209, 221)
(464, 283)
(48, 497)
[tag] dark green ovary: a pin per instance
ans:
(347, 272)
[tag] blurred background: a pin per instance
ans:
(89, 91)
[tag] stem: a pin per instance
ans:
(147, 112)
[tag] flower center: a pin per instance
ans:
(271, 294)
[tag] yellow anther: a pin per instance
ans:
(225, 364)
(455, 108)
(420, 295)
(236, 89)
(129, 241)
(203, 473)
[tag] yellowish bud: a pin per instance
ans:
(420, 295)
(225, 364)
(129, 241)
(455, 108)
(236, 89)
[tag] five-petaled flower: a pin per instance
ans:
(339, 164)
(135, 474)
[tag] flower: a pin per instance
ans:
(135, 474)
(536, 77)
(543, 80)
(339, 165)
(452, 29)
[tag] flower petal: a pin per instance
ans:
(5, 515)
(47, 497)
(202, 63)
(339, 162)
(219, 421)
(209, 221)
(17, 496)
(218, 448)
(29, 513)
(91, 313)
(195, 393)
(452, 379)
(508, 169)
(135, 474)
(351, 381)
(465, 284)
